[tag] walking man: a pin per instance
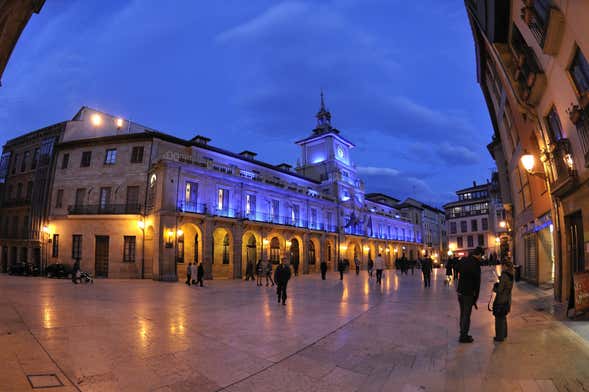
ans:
(259, 272)
(295, 266)
(200, 274)
(469, 285)
(379, 266)
(188, 273)
(268, 269)
(357, 263)
(341, 268)
(426, 269)
(281, 276)
(323, 267)
(370, 267)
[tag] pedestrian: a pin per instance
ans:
(426, 270)
(448, 271)
(341, 267)
(404, 265)
(379, 266)
(249, 271)
(259, 272)
(281, 276)
(268, 269)
(469, 285)
(188, 273)
(455, 263)
(370, 267)
(295, 267)
(193, 272)
(323, 267)
(412, 266)
(357, 264)
(502, 302)
(76, 271)
(200, 274)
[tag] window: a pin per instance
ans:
(459, 243)
(129, 249)
(23, 164)
(19, 191)
(474, 225)
(35, 159)
(65, 160)
(80, 196)
(463, 227)
(311, 253)
(250, 204)
(104, 200)
(226, 249)
(86, 159)
(470, 241)
(14, 163)
(314, 217)
(132, 202)
(485, 224)
(111, 156)
(190, 196)
(29, 193)
(274, 209)
(180, 252)
(453, 229)
(554, 125)
(55, 245)
(137, 154)
(294, 214)
(25, 227)
(481, 240)
(579, 71)
(524, 189)
(76, 246)
(222, 199)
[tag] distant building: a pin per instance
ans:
(14, 16)
(130, 201)
(474, 220)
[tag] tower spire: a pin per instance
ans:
(323, 117)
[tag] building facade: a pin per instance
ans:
(533, 71)
(26, 168)
(474, 220)
(130, 201)
(14, 16)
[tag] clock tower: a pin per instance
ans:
(326, 158)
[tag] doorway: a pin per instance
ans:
(575, 251)
(101, 256)
(294, 252)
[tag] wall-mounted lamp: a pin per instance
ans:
(141, 224)
(169, 238)
(288, 243)
(119, 123)
(528, 161)
(265, 241)
(180, 232)
(96, 119)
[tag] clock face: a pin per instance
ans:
(340, 152)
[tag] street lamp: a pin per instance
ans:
(96, 119)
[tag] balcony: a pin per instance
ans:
(530, 80)
(109, 209)
(564, 176)
(580, 117)
(547, 30)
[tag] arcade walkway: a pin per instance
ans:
(130, 335)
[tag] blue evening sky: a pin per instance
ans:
(399, 78)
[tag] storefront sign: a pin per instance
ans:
(581, 281)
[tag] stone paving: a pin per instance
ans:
(130, 335)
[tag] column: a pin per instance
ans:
(323, 251)
(237, 233)
(207, 247)
(305, 250)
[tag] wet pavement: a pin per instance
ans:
(130, 335)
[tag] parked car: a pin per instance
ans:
(58, 270)
(22, 268)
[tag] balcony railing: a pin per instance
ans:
(108, 209)
(528, 75)
(580, 117)
(564, 178)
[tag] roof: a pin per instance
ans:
(319, 135)
(371, 196)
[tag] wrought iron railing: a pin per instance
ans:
(96, 209)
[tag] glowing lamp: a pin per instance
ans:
(450, 253)
(180, 232)
(528, 161)
(169, 238)
(141, 224)
(264, 241)
(503, 224)
(46, 229)
(497, 240)
(96, 119)
(119, 123)
(568, 160)
(366, 249)
(288, 243)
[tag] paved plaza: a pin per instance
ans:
(130, 335)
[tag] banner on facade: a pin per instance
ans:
(581, 281)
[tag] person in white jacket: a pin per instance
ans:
(379, 266)
(194, 272)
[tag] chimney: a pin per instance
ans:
(248, 154)
(199, 139)
(284, 166)
(474, 183)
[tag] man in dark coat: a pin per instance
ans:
(295, 267)
(469, 285)
(426, 269)
(502, 302)
(323, 267)
(341, 267)
(281, 277)
(200, 273)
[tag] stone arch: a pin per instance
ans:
(189, 246)
(274, 250)
(329, 252)
(251, 250)
(313, 253)
(222, 253)
(294, 250)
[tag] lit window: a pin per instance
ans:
(110, 157)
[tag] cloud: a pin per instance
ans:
(377, 171)
(457, 155)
